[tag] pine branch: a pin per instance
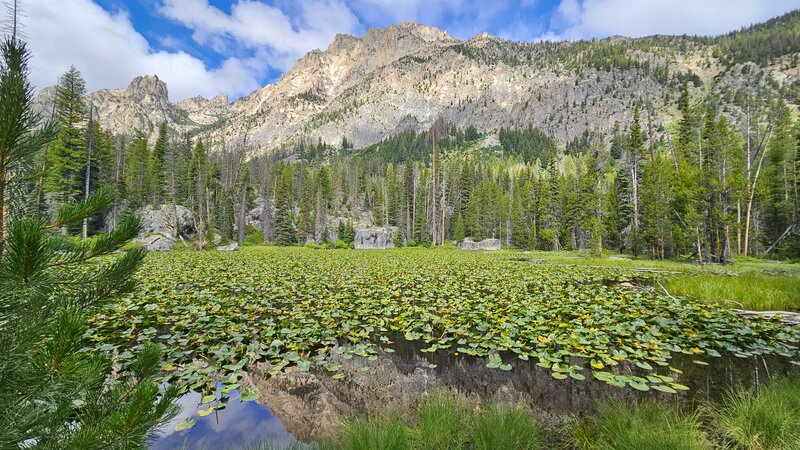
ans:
(73, 213)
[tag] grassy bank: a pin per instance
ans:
(747, 291)
(766, 419)
(747, 283)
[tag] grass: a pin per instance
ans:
(646, 425)
(747, 291)
(443, 422)
(766, 420)
(387, 432)
(503, 427)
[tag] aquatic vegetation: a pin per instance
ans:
(214, 312)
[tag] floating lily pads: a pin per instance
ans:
(218, 313)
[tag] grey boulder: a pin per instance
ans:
(233, 246)
(486, 244)
(374, 238)
(158, 219)
(156, 242)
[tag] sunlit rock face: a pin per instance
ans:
(486, 244)
(406, 76)
(375, 238)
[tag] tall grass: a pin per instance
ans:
(748, 291)
(503, 427)
(766, 420)
(386, 432)
(646, 425)
(443, 422)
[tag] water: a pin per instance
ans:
(240, 424)
(309, 406)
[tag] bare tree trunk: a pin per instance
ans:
(242, 215)
(444, 210)
(85, 229)
(751, 193)
(738, 227)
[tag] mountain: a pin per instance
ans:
(406, 76)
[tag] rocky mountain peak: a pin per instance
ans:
(148, 85)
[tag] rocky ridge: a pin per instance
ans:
(405, 76)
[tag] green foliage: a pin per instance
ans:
(156, 167)
(443, 422)
(768, 419)
(291, 298)
(763, 42)
(67, 155)
(530, 143)
(643, 425)
(502, 427)
(748, 291)
(54, 391)
(458, 228)
(284, 228)
(385, 432)
(22, 132)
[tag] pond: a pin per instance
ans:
(297, 406)
(240, 424)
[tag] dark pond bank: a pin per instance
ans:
(310, 405)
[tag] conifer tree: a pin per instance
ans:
(55, 394)
(137, 169)
(284, 228)
(67, 155)
(156, 167)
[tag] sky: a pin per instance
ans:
(217, 47)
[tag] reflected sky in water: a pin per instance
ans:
(240, 424)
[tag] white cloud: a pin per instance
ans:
(264, 28)
(576, 19)
(256, 37)
(109, 52)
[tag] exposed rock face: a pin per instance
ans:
(156, 243)
(486, 244)
(233, 246)
(405, 76)
(158, 219)
(375, 238)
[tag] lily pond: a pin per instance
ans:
(283, 343)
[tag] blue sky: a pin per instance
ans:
(213, 47)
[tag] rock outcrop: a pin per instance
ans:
(156, 242)
(158, 219)
(375, 238)
(232, 247)
(486, 244)
(406, 76)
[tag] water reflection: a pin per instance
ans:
(239, 425)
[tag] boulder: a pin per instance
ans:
(158, 219)
(486, 244)
(112, 216)
(156, 242)
(374, 238)
(233, 246)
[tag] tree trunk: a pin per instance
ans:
(242, 216)
(85, 229)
